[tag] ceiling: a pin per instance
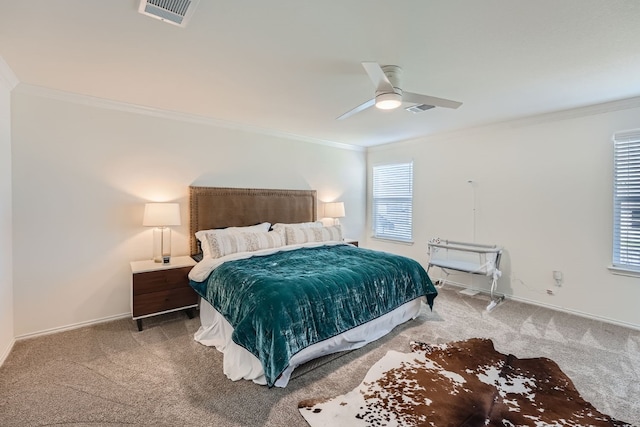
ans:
(292, 67)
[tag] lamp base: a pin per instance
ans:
(162, 245)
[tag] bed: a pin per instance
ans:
(279, 289)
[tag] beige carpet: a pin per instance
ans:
(110, 374)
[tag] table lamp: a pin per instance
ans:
(334, 210)
(161, 216)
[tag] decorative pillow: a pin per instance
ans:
(297, 235)
(281, 228)
(298, 224)
(220, 244)
(202, 234)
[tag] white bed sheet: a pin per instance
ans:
(239, 363)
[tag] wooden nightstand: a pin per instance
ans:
(351, 241)
(158, 288)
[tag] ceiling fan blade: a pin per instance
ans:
(369, 103)
(377, 76)
(429, 100)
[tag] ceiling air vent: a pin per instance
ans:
(419, 108)
(176, 12)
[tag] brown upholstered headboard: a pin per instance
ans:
(219, 207)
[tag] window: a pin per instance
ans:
(393, 201)
(626, 200)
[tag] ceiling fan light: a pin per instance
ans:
(388, 101)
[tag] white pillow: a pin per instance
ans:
(220, 244)
(298, 224)
(202, 234)
(281, 228)
(298, 235)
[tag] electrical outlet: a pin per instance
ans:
(549, 291)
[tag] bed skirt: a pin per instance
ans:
(238, 363)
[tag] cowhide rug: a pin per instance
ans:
(465, 383)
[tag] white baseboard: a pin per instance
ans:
(74, 326)
(5, 353)
(550, 306)
(577, 313)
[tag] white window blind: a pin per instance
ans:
(626, 200)
(393, 201)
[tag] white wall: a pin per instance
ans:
(543, 190)
(6, 242)
(81, 176)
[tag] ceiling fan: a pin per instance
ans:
(389, 94)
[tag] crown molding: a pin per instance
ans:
(7, 75)
(93, 101)
(553, 116)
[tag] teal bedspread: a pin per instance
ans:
(281, 303)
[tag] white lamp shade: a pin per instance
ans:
(161, 214)
(334, 210)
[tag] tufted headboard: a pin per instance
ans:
(219, 207)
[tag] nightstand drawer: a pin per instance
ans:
(154, 281)
(155, 302)
(161, 288)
